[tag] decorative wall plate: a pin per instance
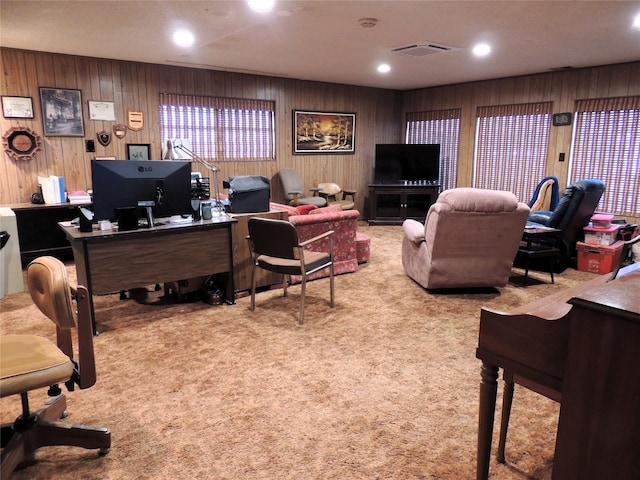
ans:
(119, 130)
(21, 143)
(135, 120)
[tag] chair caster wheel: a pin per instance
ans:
(103, 451)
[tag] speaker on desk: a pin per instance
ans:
(85, 219)
(127, 218)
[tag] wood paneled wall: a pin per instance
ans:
(562, 88)
(136, 86)
(380, 114)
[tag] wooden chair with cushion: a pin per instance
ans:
(274, 246)
(30, 362)
(335, 195)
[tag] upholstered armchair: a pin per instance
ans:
(573, 212)
(293, 189)
(469, 239)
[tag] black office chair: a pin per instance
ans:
(576, 206)
(274, 246)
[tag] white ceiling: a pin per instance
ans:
(323, 41)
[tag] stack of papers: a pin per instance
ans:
(78, 197)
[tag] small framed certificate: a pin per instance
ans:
(102, 111)
(17, 107)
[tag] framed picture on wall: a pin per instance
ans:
(323, 132)
(17, 107)
(138, 151)
(61, 112)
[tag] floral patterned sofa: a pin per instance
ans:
(350, 247)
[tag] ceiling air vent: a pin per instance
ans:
(422, 49)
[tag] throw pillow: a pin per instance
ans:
(305, 209)
(330, 208)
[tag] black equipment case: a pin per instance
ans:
(248, 193)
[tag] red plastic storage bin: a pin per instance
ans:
(598, 258)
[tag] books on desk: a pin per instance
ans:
(78, 197)
(52, 189)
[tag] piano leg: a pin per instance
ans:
(507, 399)
(488, 392)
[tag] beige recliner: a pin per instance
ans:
(469, 239)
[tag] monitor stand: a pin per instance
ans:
(148, 205)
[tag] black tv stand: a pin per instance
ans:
(393, 203)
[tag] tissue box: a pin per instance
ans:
(601, 236)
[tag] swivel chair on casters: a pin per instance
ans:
(30, 362)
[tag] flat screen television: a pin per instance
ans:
(125, 183)
(398, 163)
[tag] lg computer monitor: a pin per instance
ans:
(127, 183)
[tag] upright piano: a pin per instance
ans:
(580, 347)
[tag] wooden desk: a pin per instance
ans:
(583, 353)
(110, 261)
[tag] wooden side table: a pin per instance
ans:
(538, 242)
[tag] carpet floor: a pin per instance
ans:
(383, 386)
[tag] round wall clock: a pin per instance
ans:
(21, 143)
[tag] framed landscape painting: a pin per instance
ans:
(323, 132)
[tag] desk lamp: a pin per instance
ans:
(178, 145)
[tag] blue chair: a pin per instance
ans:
(546, 195)
(572, 213)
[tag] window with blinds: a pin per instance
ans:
(443, 127)
(511, 147)
(219, 128)
(606, 145)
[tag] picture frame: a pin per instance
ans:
(561, 119)
(102, 111)
(17, 107)
(323, 132)
(61, 112)
(138, 151)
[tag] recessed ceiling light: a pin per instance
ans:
(481, 50)
(384, 68)
(636, 22)
(183, 38)
(261, 6)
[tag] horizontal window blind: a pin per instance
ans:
(443, 127)
(511, 147)
(220, 128)
(606, 145)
